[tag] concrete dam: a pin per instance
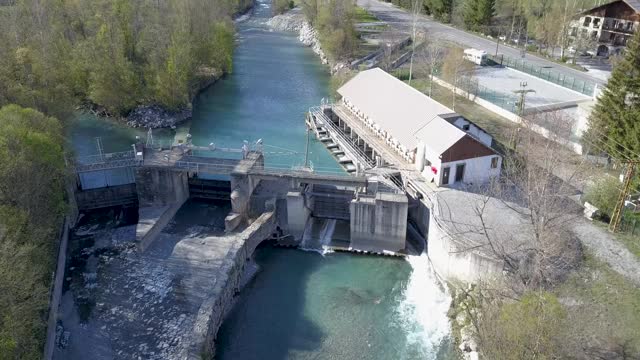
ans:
(295, 207)
(371, 211)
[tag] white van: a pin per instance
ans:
(478, 57)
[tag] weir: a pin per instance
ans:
(371, 211)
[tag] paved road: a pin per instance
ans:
(402, 19)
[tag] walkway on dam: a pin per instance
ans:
(372, 139)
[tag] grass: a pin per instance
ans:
(631, 242)
(364, 16)
(603, 305)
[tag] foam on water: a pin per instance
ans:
(423, 309)
(317, 240)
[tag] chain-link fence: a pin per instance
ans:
(506, 101)
(569, 82)
(470, 84)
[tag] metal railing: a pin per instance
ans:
(556, 77)
(102, 158)
(321, 117)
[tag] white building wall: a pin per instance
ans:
(432, 161)
(474, 131)
(476, 171)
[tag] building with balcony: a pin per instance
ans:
(608, 26)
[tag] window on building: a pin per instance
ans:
(465, 127)
(587, 21)
(494, 162)
(629, 26)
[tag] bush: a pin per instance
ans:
(603, 194)
(282, 6)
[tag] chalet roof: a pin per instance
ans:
(633, 4)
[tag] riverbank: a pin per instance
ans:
(294, 21)
(155, 115)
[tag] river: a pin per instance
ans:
(300, 305)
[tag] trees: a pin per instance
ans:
(431, 57)
(334, 22)
(113, 54)
(440, 9)
(614, 121)
(456, 68)
(31, 205)
(478, 14)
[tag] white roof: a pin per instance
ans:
(439, 135)
(397, 107)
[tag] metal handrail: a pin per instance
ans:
(107, 157)
(318, 112)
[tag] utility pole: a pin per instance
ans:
(521, 105)
(616, 218)
(523, 93)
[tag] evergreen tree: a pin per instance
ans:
(478, 13)
(616, 117)
(440, 9)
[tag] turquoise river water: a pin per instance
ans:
(300, 305)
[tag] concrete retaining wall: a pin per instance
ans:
(56, 294)
(213, 311)
(452, 261)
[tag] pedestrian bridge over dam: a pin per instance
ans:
(370, 211)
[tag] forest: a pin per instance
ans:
(113, 55)
(59, 56)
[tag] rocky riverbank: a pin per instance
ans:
(294, 21)
(154, 116)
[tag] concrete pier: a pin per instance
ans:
(297, 214)
(379, 222)
(161, 193)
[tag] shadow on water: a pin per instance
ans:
(268, 321)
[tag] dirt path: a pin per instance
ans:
(608, 249)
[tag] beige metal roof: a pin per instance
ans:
(397, 107)
(439, 135)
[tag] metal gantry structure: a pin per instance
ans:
(616, 217)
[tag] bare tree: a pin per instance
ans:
(416, 5)
(456, 68)
(430, 57)
(524, 221)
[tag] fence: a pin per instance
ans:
(506, 101)
(630, 226)
(558, 78)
